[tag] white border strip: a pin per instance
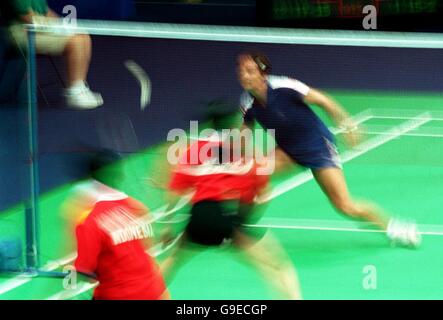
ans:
(336, 225)
(245, 34)
(404, 117)
(426, 135)
(20, 280)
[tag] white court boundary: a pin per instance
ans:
(395, 132)
(336, 225)
(378, 130)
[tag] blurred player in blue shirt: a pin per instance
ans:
(282, 103)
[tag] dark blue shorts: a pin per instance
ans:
(323, 156)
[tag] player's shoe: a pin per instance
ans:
(83, 98)
(403, 233)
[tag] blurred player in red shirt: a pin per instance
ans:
(226, 189)
(112, 238)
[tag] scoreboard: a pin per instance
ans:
(336, 12)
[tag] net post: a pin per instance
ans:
(31, 205)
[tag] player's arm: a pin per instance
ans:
(327, 103)
(179, 186)
(168, 233)
(337, 113)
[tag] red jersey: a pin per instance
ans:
(110, 246)
(198, 169)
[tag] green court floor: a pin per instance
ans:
(400, 167)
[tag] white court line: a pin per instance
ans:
(23, 279)
(70, 293)
(393, 133)
(272, 226)
(381, 129)
(328, 225)
(348, 155)
(410, 134)
(405, 117)
(358, 119)
(336, 225)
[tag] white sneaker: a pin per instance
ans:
(403, 233)
(83, 98)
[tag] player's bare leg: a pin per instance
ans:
(180, 255)
(282, 161)
(272, 262)
(77, 54)
(333, 184)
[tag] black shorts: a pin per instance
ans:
(214, 222)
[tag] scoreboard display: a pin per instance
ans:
(393, 14)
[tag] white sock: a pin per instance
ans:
(77, 87)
